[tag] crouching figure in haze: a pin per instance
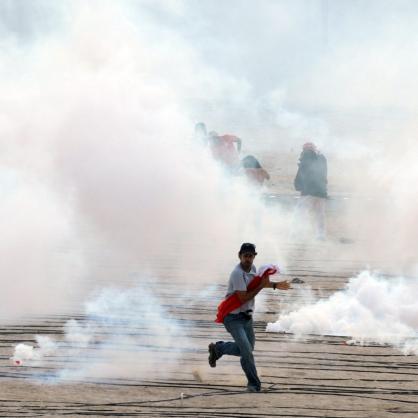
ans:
(311, 181)
(225, 149)
(236, 311)
(253, 170)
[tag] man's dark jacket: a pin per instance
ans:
(311, 178)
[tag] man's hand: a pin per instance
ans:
(285, 285)
(265, 281)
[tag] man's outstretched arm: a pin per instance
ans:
(245, 295)
(284, 285)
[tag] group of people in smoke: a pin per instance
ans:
(225, 149)
(236, 310)
(310, 180)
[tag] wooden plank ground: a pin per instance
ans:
(319, 376)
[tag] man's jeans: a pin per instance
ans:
(242, 331)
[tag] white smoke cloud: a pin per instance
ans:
(369, 309)
(101, 126)
(39, 251)
(97, 109)
(126, 333)
(24, 353)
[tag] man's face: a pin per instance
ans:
(247, 260)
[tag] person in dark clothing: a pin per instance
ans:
(311, 181)
(253, 170)
(311, 177)
(250, 162)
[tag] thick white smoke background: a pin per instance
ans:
(97, 116)
(97, 130)
(126, 333)
(341, 74)
(98, 105)
(370, 309)
(38, 262)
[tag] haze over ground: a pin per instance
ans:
(99, 167)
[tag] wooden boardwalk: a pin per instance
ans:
(319, 376)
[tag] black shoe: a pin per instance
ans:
(212, 355)
(253, 389)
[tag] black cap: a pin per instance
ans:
(247, 248)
